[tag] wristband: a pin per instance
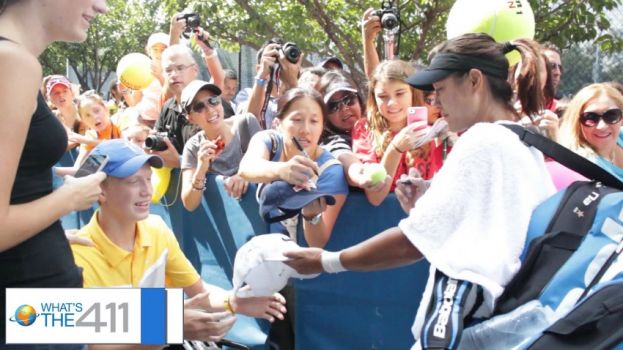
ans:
(260, 82)
(199, 189)
(331, 262)
(227, 305)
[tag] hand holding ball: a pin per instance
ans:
(134, 71)
(375, 173)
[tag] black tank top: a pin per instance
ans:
(44, 260)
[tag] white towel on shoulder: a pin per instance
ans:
(471, 224)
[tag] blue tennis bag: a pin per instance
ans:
(568, 293)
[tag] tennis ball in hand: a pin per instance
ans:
(375, 173)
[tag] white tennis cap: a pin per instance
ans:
(259, 265)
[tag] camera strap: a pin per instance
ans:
(274, 76)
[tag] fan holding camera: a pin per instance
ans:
(278, 67)
(386, 20)
(172, 129)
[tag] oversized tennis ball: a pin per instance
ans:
(504, 20)
(134, 71)
(375, 172)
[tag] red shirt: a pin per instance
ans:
(427, 159)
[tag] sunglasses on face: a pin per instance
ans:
(591, 119)
(199, 106)
(348, 100)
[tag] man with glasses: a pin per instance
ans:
(180, 68)
(555, 64)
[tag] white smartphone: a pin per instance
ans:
(92, 164)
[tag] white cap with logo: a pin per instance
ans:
(259, 265)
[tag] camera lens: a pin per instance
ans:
(155, 143)
(389, 21)
(292, 52)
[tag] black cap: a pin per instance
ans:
(444, 64)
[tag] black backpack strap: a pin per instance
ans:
(565, 156)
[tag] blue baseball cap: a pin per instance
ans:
(124, 158)
(279, 201)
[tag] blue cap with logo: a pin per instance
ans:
(124, 158)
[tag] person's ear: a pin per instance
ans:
(476, 78)
(276, 123)
(102, 197)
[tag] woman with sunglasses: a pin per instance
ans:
(344, 109)
(591, 126)
(219, 145)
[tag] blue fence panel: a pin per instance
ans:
(351, 310)
(210, 237)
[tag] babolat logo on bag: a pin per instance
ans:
(449, 292)
(445, 315)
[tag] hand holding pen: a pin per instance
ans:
(299, 169)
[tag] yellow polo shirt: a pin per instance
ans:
(156, 261)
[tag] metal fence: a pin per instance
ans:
(586, 64)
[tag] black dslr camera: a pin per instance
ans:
(388, 14)
(192, 22)
(291, 51)
(156, 142)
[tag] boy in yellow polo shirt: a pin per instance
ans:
(132, 248)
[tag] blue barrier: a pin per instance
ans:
(345, 311)
(351, 310)
(210, 237)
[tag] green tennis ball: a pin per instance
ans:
(504, 20)
(376, 173)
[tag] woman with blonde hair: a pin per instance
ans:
(591, 126)
(384, 136)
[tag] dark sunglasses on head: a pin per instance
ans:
(213, 101)
(611, 116)
(348, 100)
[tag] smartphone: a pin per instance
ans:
(417, 114)
(93, 164)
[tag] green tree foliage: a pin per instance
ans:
(332, 27)
(124, 29)
(321, 28)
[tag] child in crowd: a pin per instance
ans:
(95, 115)
(384, 137)
(132, 248)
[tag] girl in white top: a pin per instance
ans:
(471, 223)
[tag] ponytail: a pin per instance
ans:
(528, 84)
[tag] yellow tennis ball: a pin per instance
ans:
(375, 172)
(504, 20)
(134, 71)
